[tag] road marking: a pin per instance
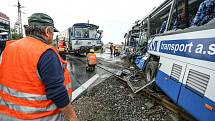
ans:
(83, 87)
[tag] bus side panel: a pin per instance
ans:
(169, 78)
(195, 93)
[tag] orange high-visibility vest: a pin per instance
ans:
(91, 57)
(61, 46)
(22, 93)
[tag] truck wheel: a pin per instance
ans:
(150, 70)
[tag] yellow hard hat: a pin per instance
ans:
(91, 51)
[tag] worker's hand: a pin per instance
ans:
(73, 119)
(70, 112)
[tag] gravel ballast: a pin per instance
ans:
(112, 100)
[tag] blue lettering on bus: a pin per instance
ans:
(203, 49)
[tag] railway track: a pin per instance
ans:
(153, 94)
(162, 99)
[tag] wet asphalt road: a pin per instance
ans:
(79, 75)
(77, 70)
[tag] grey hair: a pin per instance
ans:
(35, 30)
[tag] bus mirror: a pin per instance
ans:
(100, 33)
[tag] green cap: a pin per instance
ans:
(41, 19)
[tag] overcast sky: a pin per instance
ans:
(114, 17)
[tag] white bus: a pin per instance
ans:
(83, 36)
(181, 57)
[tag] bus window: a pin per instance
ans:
(193, 8)
(159, 19)
(93, 33)
(85, 33)
(205, 13)
(180, 15)
(188, 13)
(77, 33)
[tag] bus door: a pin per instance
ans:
(170, 76)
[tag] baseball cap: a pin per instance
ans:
(41, 19)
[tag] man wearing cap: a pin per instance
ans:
(34, 81)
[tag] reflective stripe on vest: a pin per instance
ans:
(26, 96)
(56, 117)
(25, 109)
(8, 93)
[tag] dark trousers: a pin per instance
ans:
(111, 51)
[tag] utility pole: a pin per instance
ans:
(18, 24)
(20, 18)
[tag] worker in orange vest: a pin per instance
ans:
(62, 49)
(34, 81)
(91, 59)
(61, 45)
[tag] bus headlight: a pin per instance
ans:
(99, 42)
(77, 42)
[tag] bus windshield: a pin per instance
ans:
(86, 33)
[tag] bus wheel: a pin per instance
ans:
(150, 70)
